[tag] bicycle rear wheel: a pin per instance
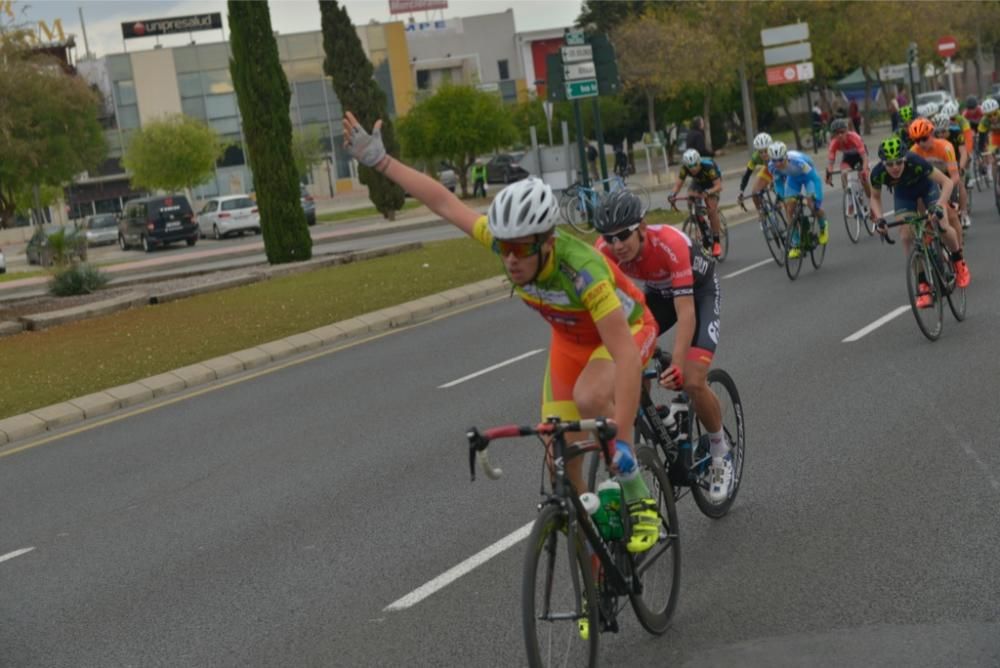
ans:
(946, 278)
(929, 319)
(818, 251)
(723, 238)
(550, 604)
(851, 218)
(574, 210)
(693, 230)
(722, 384)
(773, 237)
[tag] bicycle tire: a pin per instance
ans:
(794, 265)
(774, 238)
(574, 212)
(650, 566)
(956, 295)
(547, 551)
(641, 192)
(918, 263)
(996, 193)
(724, 387)
(818, 251)
(851, 219)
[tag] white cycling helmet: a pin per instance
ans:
(691, 157)
(523, 208)
(762, 141)
(942, 121)
(990, 105)
(777, 151)
(950, 108)
(928, 110)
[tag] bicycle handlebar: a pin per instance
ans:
(897, 223)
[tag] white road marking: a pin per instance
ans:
(491, 368)
(452, 574)
(868, 329)
(746, 269)
(15, 553)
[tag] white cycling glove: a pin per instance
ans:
(367, 149)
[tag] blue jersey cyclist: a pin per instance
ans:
(794, 173)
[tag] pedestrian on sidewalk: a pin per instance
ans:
(479, 179)
(592, 160)
(696, 138)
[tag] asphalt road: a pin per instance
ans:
(272, 520)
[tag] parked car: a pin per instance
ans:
(40, 250)
(101, 229)
(228, 214)
(151, 222)
(938, 97)
(447, 176)
(504, 168)
(3, 263)
(308, 205)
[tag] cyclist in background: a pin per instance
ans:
(973, 112)
(941, 155)
(681, 288)
(602, 332)
(916, 187)
(706, 182)
(758, 163)
(905, 118)
(855, 154)
(989, 135)
(948, 129)
(793, 172)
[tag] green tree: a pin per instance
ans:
(457, 123)
(48, 125)
(354, 84)
(177, 152)
(306, 150)
(263, 95)
(603, 16)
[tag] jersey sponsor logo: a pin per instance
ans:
(627, 302)
(597, 296)
(557, 297)
(581, 281)
(713, 331)
(699, 263)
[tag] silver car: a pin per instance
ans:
(101, 229)
(228, 214)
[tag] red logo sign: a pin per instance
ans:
(947, 46)
(781, 74)
(139, 28)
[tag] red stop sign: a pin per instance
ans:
(947, 46)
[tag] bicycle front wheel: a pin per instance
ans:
(793, 264)
(723, 238)
(692, 229)
(561, 624)
(641, 192)
(929, 318)
(659, 568)
(574, 210)
(852, 219)
(723, 386)
(818, 250)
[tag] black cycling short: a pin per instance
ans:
(707, 307)
(853, 159)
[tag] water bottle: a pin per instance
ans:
(681, 409)
(592, 504)
(610, 494)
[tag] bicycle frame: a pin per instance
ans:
(927, 238)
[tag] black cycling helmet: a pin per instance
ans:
(838, 124)
(617, 211)
(971, 102)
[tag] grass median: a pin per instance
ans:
(354, 214)
(72, 360)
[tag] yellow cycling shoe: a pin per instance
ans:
(794, 253)
(645, 525)
(824, 233)
(584, 627)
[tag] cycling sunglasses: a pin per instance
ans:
(620, 236)
(519, 249)
(895, 163)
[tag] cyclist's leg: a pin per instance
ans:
(712, 202)
(567, 358)
(814, 190)
(707, 310)
(759, 184)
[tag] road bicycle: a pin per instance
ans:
(772, 223)
(699, 228)
(975, 173)
(579, 203)
(804, 220)
(930, 263)
(575, 577)
(667, 422)
(856, 211)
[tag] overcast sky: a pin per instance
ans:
(104, 17)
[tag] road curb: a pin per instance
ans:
(98, 404)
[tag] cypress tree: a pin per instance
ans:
(354, 84)
(263, 94)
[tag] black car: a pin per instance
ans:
(308, 205)
(43, 251)
(151, 222)
(504, 168)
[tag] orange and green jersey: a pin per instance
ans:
(966, 129)
(576, 288)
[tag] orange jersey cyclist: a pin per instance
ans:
(941, 155)
(682, 288)
(602, 333)
(706, 182)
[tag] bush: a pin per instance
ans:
(77, 279)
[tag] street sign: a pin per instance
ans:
(795, 32)
(783, 74)
(576, 90)
(947, 46)
(574, 54)
(789, 53)
(900, 71)
(575, 38)
(585, 70)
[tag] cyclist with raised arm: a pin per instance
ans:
(681, 288)
(946, 128)
(989, 135)
(602, 332)
(706, 183)
(794, 173)
(941, 155)
(758, 163)
(854, 154)
(917, 186)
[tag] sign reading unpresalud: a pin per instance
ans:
(172, 25)
(410, 6)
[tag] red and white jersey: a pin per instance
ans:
(668, 262)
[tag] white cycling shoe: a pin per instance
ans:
(720, 477)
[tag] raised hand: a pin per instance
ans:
(367, 149)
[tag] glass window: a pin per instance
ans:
(304, 46)
(120, 67)
(217, 82)
(508, 91)
(113, 140)
(189, 84)
(194, 107)
(343, 159)
(220, 106)
(336, 110)
(125, 92)
(310, 93)
(503, 69)
(304, 70)
(313, 114)
(213, 56)
(186, 59)
(128, 117)
(423, 79)
(225, 125)
(240, 203)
